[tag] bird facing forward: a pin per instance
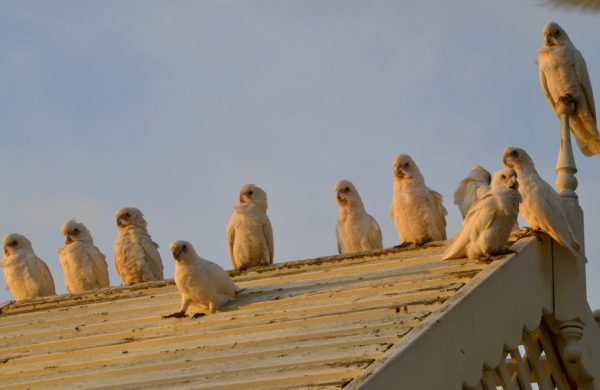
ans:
(83, 265)
(26, 275)
(136, 256)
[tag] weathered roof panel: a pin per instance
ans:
(307, 324)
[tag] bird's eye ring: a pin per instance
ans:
(558, 33)
(126, 215)
(407, 165)
(503, 177)
(515, 153)
(249, 192)
(347, 188)
(14, 243)
(184, 248)
(76, 232)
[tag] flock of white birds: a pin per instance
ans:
(489, 214)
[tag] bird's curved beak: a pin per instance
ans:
(506, 161)
(119, 223)
(68, 239)
(513, 183)
(241, 198)
(176, 254)
(6, 249)
(398, 172)
(549, 39)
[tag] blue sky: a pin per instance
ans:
(172, 106)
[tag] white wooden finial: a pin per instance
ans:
(566, 182)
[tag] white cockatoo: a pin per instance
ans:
(563, 73)
(136, 256)
(26, 275)
(472, 188)
(541, 208)
(417, 211)
(356, 231)
(249, 232)
(199, 281)
(487, 226)
(82, 263)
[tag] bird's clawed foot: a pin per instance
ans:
(498, 255)
(243, 267)
(403, 245)
(528, 232)
(197, 315)
(570, 105)
(422, 242)
(179, 314)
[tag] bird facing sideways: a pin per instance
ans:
(417, 211)
(356, 231)
(83, 265)
(472, 188)
(26, 275)
(563, 74)
(249, 232)
(541, 207)
(199, 281)
(136, 256)
(487, 226)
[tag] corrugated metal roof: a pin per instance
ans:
(308, 324)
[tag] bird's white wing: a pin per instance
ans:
(219, 278)
(546, 90)
(44, 278)
(152, 256)
(375, 238)
(230, 241)
(100, 266)
(268, 231)
(435, 202)
(584, 81)
(340, 246)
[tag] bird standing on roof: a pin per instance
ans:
(417, 211)
(356, 230)
(472, 188)
(563, 73)
(541, 208)
(199, 281)
(82, 263)
(487, 226)
(136, 256)
(249, 232)
(26, 275)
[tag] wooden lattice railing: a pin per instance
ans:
(533, 365)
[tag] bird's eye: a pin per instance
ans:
(347, 188)
(503, 177)
(76, 232)
(126, 215)
(407, 165)
(558, 33)
(515, 153)
(184, 248)
(14, 243)
(249, 192)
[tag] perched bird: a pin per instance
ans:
(136, 256)
(417, 211)
(356, 230)
(563, 73)
(249, 232)
(487, 226)
(26, 275)
(541, 207)
(472, 188)
(199, 281)
(82, 263)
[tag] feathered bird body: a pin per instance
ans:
(563, 72)
(26, 275)
(356, 230)
(487, 226)
(200, 281)
(136, 256)
(541, 207)
(249, 232)
(472, 188)
(83, 265)
(418, 213)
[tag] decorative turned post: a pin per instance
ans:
(569, 272)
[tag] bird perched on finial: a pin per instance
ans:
(249, 232)
(356, 231)
(563, 74)
(199, 281)
(472, 188)
(26, 275)
(83, 265)
(417, 211)
(487, 226)
(136, 256)
(541, 207)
